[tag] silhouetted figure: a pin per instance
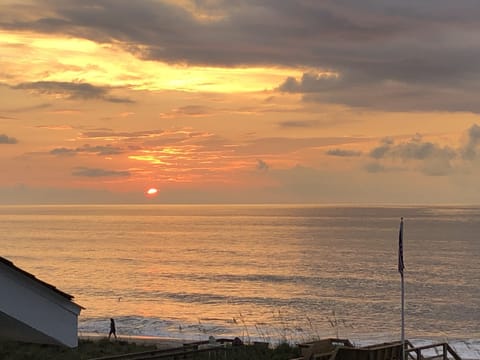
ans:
(112, 329)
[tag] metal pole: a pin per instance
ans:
(401, 268)
(403, 318)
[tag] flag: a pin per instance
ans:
(401, 265)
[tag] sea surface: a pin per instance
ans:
(260, 272)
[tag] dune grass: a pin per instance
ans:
(88, 349)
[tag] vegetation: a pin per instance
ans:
(259, 351)
(88, 349)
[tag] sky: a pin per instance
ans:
(239, 101)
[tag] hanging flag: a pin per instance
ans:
(401, 265)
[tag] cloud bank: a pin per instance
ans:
(72, 90)
(409, 56)
(4, 139)
(96, 172)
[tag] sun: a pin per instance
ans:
(151, 192)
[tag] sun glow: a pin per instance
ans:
(151, 192)
(111, 65)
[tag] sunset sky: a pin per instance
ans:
(239, 101)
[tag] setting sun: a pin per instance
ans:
(151, 192)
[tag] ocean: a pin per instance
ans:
(260, 272)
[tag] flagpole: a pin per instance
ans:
(403, 317)
(401, 268)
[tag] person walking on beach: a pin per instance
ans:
(112, 329)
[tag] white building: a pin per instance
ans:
(34, 311)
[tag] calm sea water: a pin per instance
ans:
(261, 272)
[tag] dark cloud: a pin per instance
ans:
(380, 151)
(192, 110)
(469, 150)
(374, 167)
(119, 100)
(438, 166)
(4, 139)
(110, 134)
(282, 145)
(422, 150)
(262, 165)
(95, 172)
(72, 90)
(432, 159)
(229, 33)
(102, 150)
(393, 55)
(389, 95)
(312, 83)
(63, 152)
(27, 108)
(414, 149)
(343, 153)
(298, 123)
(99, 150)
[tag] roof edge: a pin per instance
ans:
(12, 266)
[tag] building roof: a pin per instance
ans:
(31, 276)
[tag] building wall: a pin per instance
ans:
(38, 307)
